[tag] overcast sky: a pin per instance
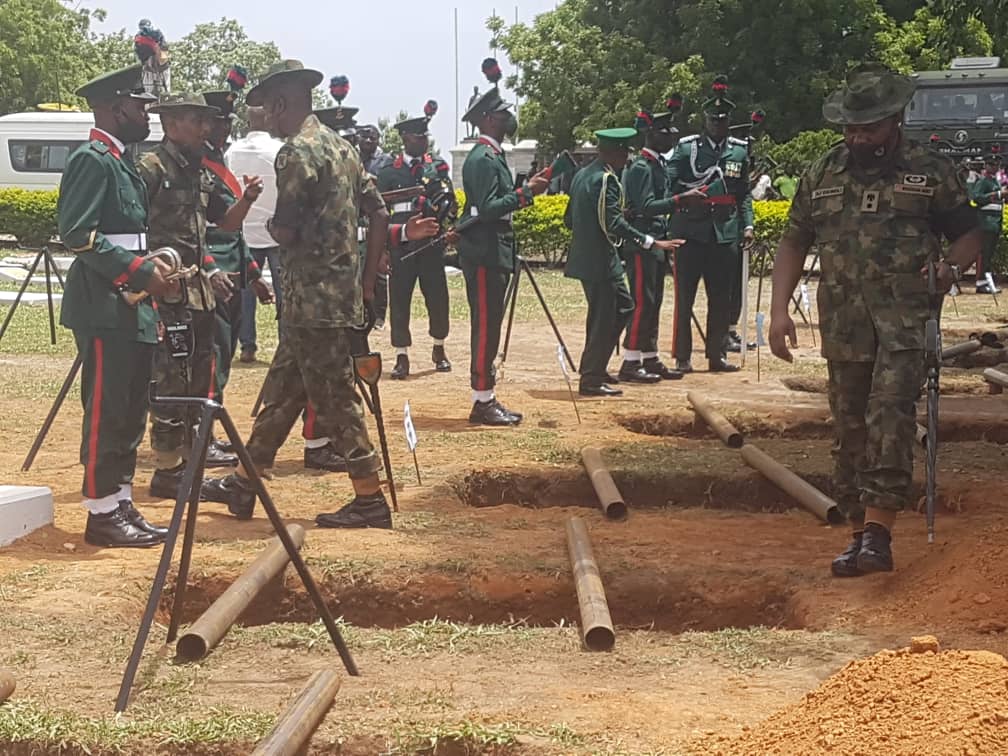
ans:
(397, 53)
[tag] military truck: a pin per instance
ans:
(962, 112)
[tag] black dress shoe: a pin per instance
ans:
(599, 389)
(114, 531)
(138, 521)
(516, 417)
(238, 494)
(225, 446)
(876, 549)
(490, 413)
(217, 457)
(730, 345)
(684, 366)
(722, 366)
(634, 372)
(324, 458)
(845, 565)
(363, 512)
(610, 378)
(659, 368)
(440, 360)
(165, 483)
(401, 370)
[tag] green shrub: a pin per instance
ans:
(29, 216)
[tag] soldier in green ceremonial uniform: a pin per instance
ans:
(595, 216)
(103, 221)
(228, 248)
(412, 168)
(717, 165)
(649, 202)
(989, 196)
(320, 193)
(874, 208)
(183, 198)
(486, 244)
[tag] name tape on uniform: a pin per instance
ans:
(920, 191)
(411, 436)
(828, 191)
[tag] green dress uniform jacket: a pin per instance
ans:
(725, 173)
(986, 195)
(645, 184)
(595, 216)
(491, 197)
(103, 220)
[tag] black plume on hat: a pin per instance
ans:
(492, 70)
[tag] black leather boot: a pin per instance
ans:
(324, 458)
(401, 370)
(876, 549)
(440, 359)
(237, 493)
(845, 565)
(114, 531)
(363, 512)
(139, 521)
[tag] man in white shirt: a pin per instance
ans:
(256, 152)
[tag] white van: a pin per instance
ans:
(34, 147)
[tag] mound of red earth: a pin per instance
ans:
(918, 701)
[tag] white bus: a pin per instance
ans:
(34, 147)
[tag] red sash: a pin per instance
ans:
(221, 171)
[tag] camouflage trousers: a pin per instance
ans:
(181, 377)
(875, 421)
(312, 366)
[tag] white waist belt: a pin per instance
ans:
(474, 213)
(361, 234)
(992, 206)
(402, 207)
(133, 242)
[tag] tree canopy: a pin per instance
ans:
(590, 64)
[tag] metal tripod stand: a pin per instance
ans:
(189, 496)
(45, 257)
(511, 300)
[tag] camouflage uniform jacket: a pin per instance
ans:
(874, 231)
(182, 196)
(321, 189)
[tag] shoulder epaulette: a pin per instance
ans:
(736, 140)
(690, 138)
(99, 146)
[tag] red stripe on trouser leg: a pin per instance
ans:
(675, 302)
(96, 403)
(481, 344)
(638, 304)
(211, 391)
(309, 423)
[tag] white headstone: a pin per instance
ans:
(23, 509)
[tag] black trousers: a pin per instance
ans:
(609, 308)
(428, 269)
(713, 263)
(646, 275)
(985, 263)
(115, 377)
(485, 290)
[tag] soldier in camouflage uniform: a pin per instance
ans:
(873, 207)
(319, 195)
(182, 198)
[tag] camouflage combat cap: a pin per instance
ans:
(126, 82)
(282, 72)
(184, 101)
(870, 93)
